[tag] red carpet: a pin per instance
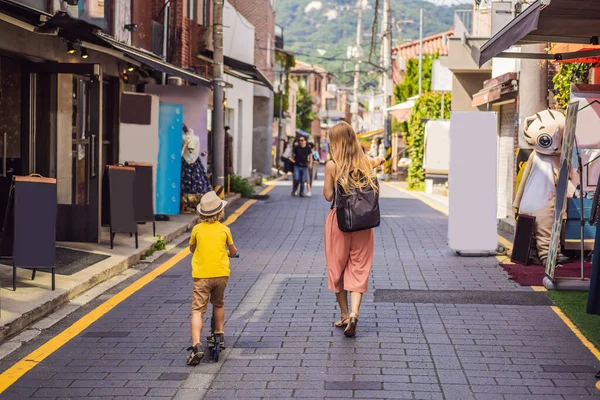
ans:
(533, 275)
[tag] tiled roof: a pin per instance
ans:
(431, 45)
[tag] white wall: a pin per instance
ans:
(139, 143)
(241, 128)
(64, 140)
(238, 35)
(238, 43)
(194, 100)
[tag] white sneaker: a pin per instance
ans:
(308, 194)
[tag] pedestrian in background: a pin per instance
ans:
(349, 255)
(302, 162)
(288, 165)
(316, 161)
(311, 168)
(210, 270)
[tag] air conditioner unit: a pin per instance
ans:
(332, 88)
(175, 81)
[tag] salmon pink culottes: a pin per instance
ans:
(349, 257)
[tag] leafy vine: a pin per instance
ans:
(428, 106)
(568, 74)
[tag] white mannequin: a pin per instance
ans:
(373, 149)
(191, 147)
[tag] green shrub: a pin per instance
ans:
(568, 74)
(241, 185)
(428, 106)
(159, 245)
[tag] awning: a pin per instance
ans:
(407, 105)
(546, 21)
(241, 70)
(88, 35)
(502, 87)
(588, 55)
(367, 135)
(331, 114)
(152, 61)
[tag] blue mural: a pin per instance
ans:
(168, 171)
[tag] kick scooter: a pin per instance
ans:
(215, 341)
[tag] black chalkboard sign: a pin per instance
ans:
(143, 197)
(118, 201)
(30, 223)
(6, 218)
(523, 239)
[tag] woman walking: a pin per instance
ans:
(288, 165)
(349, 255)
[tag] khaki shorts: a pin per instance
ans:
(208, 288)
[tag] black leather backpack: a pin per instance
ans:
(357, 210)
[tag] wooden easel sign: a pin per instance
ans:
(119, 192)
(143, 197)
(31, 215)
(523, 240)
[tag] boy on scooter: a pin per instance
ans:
(210, 270)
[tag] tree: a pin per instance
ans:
(410, 85)
(428, 106)
(304, 109)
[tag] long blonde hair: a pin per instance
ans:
(353, 168)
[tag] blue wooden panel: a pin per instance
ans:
(168, 171)
(572, 226)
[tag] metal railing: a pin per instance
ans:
(463, 23)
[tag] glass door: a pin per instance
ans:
(81, 142)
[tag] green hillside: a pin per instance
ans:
(332, 27)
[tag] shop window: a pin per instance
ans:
(43, 5)
(193, 10)
(330, 104)
(10, 117)
(97, 12)
(206, 13)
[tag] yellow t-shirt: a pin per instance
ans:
(210, 260)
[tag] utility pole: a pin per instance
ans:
(166, 10)
(218, 142)
(387, 81)
(357, 56)
(387, 62)
(280, 127)
(421, 52)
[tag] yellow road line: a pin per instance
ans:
(539, 288)
(590, 346)
(12, 374)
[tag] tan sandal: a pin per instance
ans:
(351, 328)
(343, 321)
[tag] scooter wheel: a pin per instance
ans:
(215, 353)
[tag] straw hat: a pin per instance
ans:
(210, 204)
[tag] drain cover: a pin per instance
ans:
(508, 298)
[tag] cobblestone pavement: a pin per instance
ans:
(281, 343)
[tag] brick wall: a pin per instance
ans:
(179, 35)
(260, 13)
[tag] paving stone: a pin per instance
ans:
(363, 385)
(280, 338)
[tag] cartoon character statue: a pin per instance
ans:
(537, 191)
